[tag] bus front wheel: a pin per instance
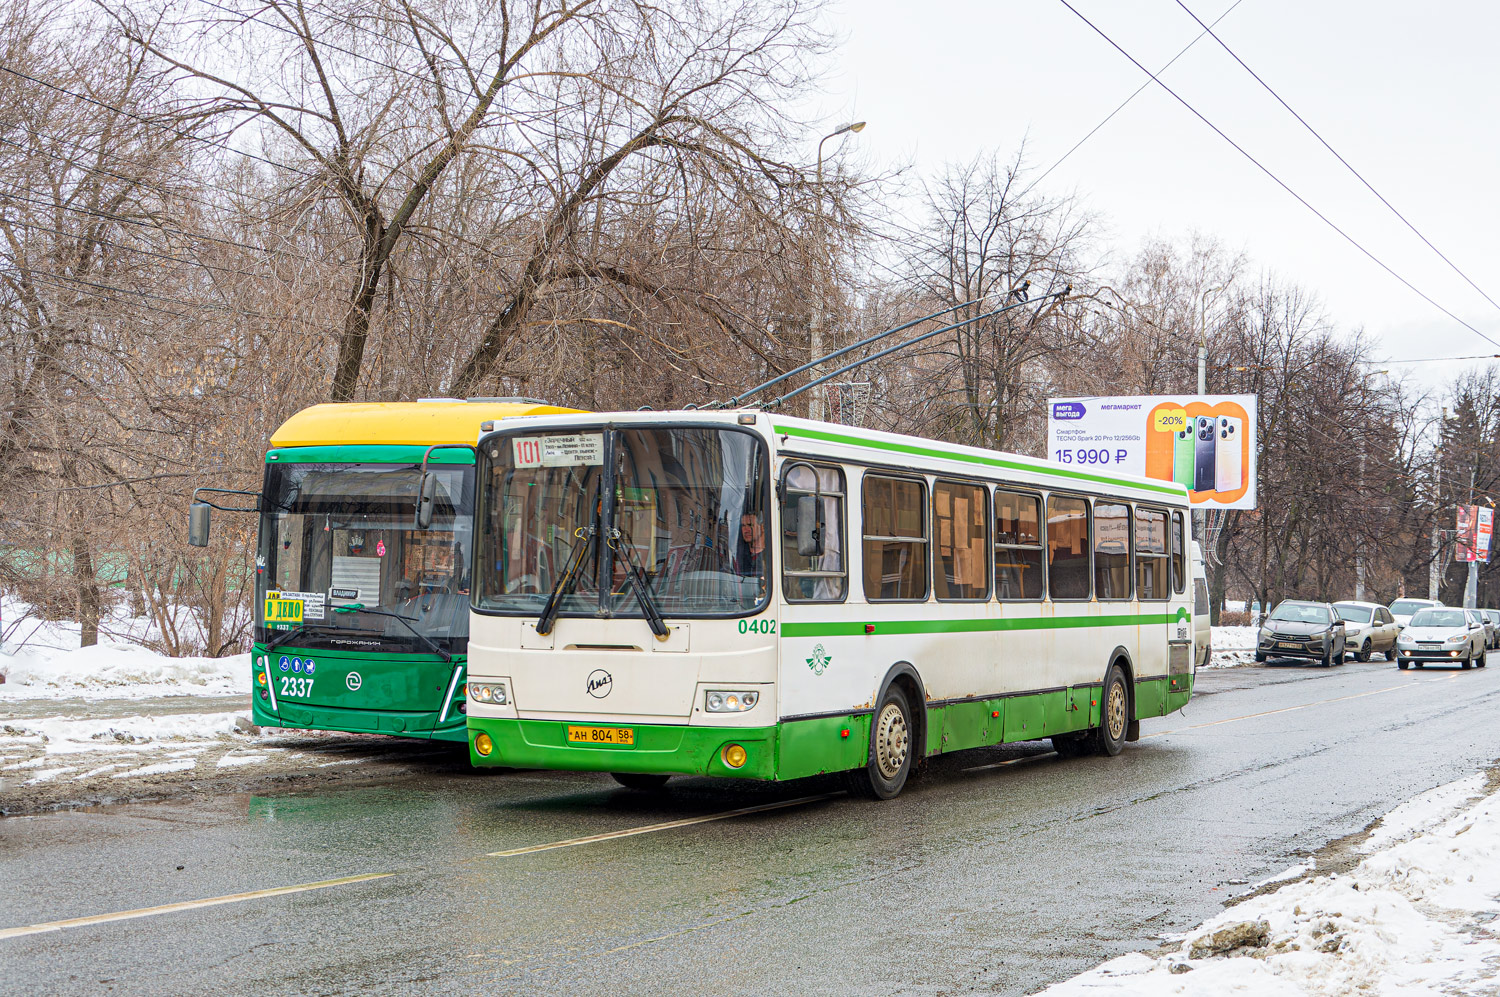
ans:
(1114, 720)
(891, 744)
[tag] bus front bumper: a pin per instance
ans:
(657, 749)
(402, 724)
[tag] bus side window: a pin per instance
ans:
(1018, 546)
(1179, 568)
(818, 577)
(895, 534)
(1068, 547)
(1150, 554)
(960, 528)
(1111, 550)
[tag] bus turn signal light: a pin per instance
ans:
(483, 744)
(734, 756)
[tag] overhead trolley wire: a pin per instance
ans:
(1276, 179)
(1207, 29)
(1139, 90)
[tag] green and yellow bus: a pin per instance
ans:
(746, 594)
(362, 570)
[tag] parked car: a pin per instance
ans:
(1300, 629)
(1442, 633)
(1402, 609)
(1369, 628)
(1492, 617)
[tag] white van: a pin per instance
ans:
(1402, 609)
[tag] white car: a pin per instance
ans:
(1442, 634)
(1402, 609)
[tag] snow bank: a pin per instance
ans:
(45, 662)
(119, 671)
(69, 735)
(1410, 919)
(1233, 646)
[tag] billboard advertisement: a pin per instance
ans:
(1476, 528)
(1205, 442)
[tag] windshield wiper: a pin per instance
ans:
(585, 540)
(637, 579)
(297, 631)
(358, 607)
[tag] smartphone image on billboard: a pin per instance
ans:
(1228, 468)
(1206, 444)
(1182, 455)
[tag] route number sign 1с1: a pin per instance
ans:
(581, 450)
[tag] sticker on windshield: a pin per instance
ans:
(338, 593)
(584, 449)
(311, 608)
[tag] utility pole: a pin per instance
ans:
(1359, 551)
(816, 409)
(1471, 587)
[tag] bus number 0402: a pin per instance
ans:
(757, 626)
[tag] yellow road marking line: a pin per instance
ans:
(233, 898)
(650, 828)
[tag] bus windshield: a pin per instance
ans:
(688, 504)
(340, 535)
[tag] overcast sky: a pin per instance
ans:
(1406, 93)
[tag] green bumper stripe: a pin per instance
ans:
(857, 629)
(369, 453)
(659, 748)
(968, 458)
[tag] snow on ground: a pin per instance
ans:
(1414, 917)
(119, 671)
(44, 661)
(1233, 646)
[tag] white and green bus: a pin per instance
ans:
(745, 594)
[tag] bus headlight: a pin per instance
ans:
(483, 744)
(730, 702)
(489, 692)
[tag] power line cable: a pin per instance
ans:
(1139, 90)
(1209, 31)
(1277, 180)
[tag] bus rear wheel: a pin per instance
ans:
(1114, 719)
(891, 744)
(645, 781)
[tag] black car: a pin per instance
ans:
(1298, 629)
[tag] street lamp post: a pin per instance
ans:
(815, 407)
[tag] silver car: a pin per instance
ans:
(1444, 635)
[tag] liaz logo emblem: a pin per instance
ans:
(599, 683)
(353, 681)
(820, 660)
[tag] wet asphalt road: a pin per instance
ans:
(982, 877)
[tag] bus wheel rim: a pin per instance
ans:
(892, 741)
(1117, 711)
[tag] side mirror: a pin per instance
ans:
(198, 520)
(809, 526)
(426, 499)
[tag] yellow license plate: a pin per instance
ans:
(600, 735)
(283, 611)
